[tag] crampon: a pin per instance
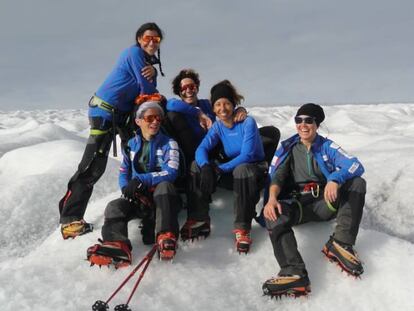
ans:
(344, 256)
(100, 305)
(167, 245)
(116, 254)
(289, 286)
(243, 240)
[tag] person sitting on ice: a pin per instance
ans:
(147, 174)
(313, 179)
(243, 170)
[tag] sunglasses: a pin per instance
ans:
(150, 118)
(190, 87)
(148, 39)
(307, 120)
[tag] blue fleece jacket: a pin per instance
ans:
(242, 144)
(124, 83)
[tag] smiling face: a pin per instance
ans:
(150, 123)
(307, 132)
(150, 41)
(223, 108)
(189, 91)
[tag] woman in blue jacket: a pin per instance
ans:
(243, 170)
(109, 112)
(312, 179)
(147, 174)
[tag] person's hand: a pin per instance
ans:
(208, 179)
(148, 72)
(240, 114)
(205, 121)
(134, 187)
(331, 191)
(270, 208)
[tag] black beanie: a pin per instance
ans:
(221, 90)
(312, 110)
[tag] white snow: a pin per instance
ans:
(40, 150)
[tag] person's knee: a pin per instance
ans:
(164, 188)
(242, 171)
(117, 208)
(357, 184)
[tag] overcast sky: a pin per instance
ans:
(55, 54)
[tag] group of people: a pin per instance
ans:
(182, 149)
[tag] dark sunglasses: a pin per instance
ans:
(307, 120)
(190, 87)
(150, 118)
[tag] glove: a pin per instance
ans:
(133, 189)
(208, 179)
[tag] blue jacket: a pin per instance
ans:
(124, 83)
(334, 163)
(163, 162)
(242, 144)
(191, 113)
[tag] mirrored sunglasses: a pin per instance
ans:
(150, 118)
(190, 87)
(148, 39)
(307, 120)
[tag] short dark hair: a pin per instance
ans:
(185, 73)
(145, 27)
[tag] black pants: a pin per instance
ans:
(73, 205)
(120, 211)
(349, 205)
(246, 181)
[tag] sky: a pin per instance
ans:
(40, 151)
(55, 54)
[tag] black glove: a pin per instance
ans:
(208, 179)
(133, 189)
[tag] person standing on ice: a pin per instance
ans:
(243, 170)
(312, 179)
(110, 113)
(147, 174)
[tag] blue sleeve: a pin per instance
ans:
(180, 106)
(207, 144)
(206, 107)
(125, 171)
(346, 166)
(136, 60)
(169, 166)
(248, 149)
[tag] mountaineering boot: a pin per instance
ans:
(148, 230)
(167, 244)
(243, 240)
(116, 253)
(344, 255)
(288, 285)
(75, 228)
(193, 229)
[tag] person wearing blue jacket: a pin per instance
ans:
(312, 179)
(243, 170)
(110, 114)
(147, 174)
(189, 117)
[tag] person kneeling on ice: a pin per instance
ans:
(313, 179)
(244, 170)
(147, 174)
